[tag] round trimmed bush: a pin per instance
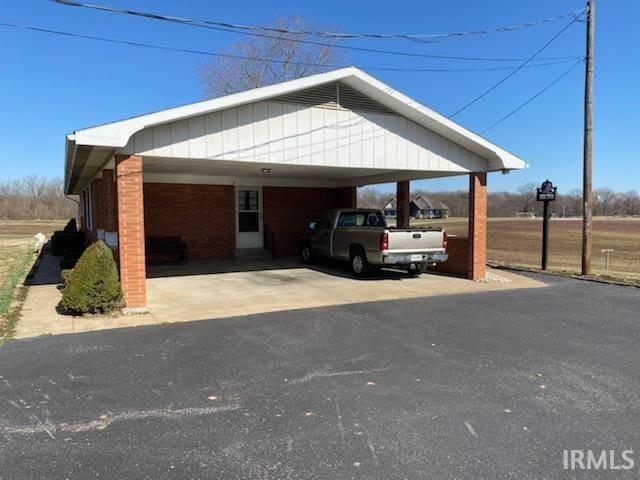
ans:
(92, 286)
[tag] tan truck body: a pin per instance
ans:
(342, 232)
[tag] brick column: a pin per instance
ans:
(131, 230)
(402, 204)
(477, 225)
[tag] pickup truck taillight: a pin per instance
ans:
(445, 240)
(384, 241)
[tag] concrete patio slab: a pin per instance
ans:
(186, 293)
(201, 297)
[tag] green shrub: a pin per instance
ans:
(67, 263)
(62, 241)
(71, 226)
(92, 286)
(57, 243)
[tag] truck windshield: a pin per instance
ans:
(361, 219)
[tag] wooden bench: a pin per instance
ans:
(165, 250)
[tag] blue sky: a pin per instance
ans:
(50, 86)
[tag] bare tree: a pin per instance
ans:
(34, 197)
(506, 204)
(274, 58)
(528, 194)
(603, 197)
(572, 202)
(370, 197)
(629, 203)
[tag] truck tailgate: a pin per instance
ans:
(416, 239)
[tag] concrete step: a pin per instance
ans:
(252, 253)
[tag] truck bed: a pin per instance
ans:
(407, 240)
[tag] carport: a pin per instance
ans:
(246, 172)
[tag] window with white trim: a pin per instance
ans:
(87, 210)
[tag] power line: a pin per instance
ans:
(520, 67)
(422, 38)
(212, 26)
(531, 99)
(241, 57)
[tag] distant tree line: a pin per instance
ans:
(35, 198)
(509, 204)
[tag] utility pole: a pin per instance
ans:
(587, 183)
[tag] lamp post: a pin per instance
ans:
(545, 193)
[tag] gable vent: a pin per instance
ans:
(335, 95)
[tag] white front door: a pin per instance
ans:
(249, 217)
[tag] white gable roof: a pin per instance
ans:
(117, 134)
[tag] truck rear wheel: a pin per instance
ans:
(359, 264)
(414, 269)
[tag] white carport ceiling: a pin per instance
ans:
(176, 170)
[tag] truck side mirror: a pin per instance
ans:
(313, 226)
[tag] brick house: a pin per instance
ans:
(391, 208)
(419, 207)
(424, 207)
(250, 170)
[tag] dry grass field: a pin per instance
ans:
(16, 240)
(517, 242)
(16, 244)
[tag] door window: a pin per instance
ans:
(248, 200)
(248, 211)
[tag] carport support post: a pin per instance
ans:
(477, 225)
(131, 246)
(402, 204)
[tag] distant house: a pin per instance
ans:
(391, 209)
(423, 207)
(420, 207)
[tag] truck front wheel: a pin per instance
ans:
(306, 255)
(359, 264)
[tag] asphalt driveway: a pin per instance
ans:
(487, 385)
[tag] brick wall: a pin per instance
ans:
(105, 209)
(346, 197)
(203, 215)
(458, 262)
(288, 211)
(103, 205)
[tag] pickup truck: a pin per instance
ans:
(362, 237)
